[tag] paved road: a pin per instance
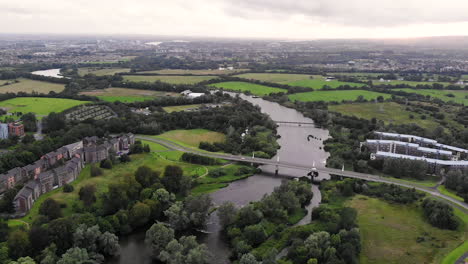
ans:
(350, 174)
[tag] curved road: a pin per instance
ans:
(350, 174)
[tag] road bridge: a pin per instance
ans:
(294, 123)
(308, 167)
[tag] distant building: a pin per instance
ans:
(16, 129)
(3, 131)
(190, 94)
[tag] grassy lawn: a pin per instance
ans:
(174, 79)
(29, 86)
(303, 80)
(39, 105)
(460, 97)
(449, 193)
(455, 254)
(192, 137)
(389, 112)
(256, 89)
(194, 72)
(336, 96)
(101, 71)
(126, 95)
(395, 82)
(155, 147)
(389, 233)
(178, 108)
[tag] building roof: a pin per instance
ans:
(435, 151)
(24, 192)
(383, 141)
(395, 135)
(451, 148)
(428, 160)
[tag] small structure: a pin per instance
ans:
(190, 94)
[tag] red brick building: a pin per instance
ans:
(16, 129)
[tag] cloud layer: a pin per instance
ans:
(304, 19)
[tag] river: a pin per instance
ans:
(294, 148)
(49, 73)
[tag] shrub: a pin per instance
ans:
(95, 171)
(67, 188)
(106, 164)
(216, 173)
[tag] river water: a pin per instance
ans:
(294, 148)
(49, 73)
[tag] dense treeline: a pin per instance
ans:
(197, 159)
(251, 225)
(439, 214)
(148, 63)
(458, 181)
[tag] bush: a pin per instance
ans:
(95, 171)
(197, 159)
(439, 214)
(216, 173)
(106, 164)
(67, 188)
(125, 158)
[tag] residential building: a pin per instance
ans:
(3, 131)
(16, 129)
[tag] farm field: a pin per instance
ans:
(101, 71)
(304, 80)
(126, 95)
(193, 137)
(195, 72)
(389, 112)
(389, 233)
(173, 79)
(256, 89)
(336, 96)
(459, 96)
(395, 82)
(29, 86)
(39, 105)
(178, 108)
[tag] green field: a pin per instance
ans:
(389, 112)
(389, 233)
(303, 80)
(395, 82)
(256, 89)
(460, 97)
(336, 96)
(29, 86)
(173, 79)
(39, 105)
(193, 137)
(127, 95)
(194, 72)
(101, 71)
(178, 108)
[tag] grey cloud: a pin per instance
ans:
(361, 13)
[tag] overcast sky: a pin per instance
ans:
(293, 19)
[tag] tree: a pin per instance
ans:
(146, 176)
(49, 255)
(255, 234)
(186, 250)
(24, 260)
(227, 214)
(139, 214)
(125, 158)
(348, 218)
(109, 244)
(39, 238)
(248, 215)
(18, 244)
(29, 122)
(197, 208)
(50, 208)
(177, 216)
(4, 253)
(61, 233)
(3, 230)
(157, 237)
(248, 259)
(76, 256)
(172, 178)
(28, 139)
(87, 194)
(165, 198)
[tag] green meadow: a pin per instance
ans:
(457, 96)
(126, 95)
(389, 112)
(41, 106)
(256, 89)
(316, 82)
(410, 83)
(336, 96)
(98, 71)
(29, 86)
